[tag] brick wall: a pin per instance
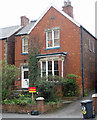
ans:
(19, 58)
(3, 50)
(89, 61)
(69, 40)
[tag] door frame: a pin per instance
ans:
(22, 76)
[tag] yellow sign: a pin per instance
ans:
(32, 89)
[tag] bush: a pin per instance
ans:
(69, 86)
(9, 75)
(46, 87)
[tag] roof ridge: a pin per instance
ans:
(63, 13)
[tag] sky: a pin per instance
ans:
(12, 10)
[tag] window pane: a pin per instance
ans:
(49, 65)
(25, 67)
(25, 42)
(49, 72)
(56, 42)
(56, 68)
(56, 38)
(56, 65)
(49, 43)
(56, 34)
(43, 73)
(25, 74)
(90, 44)
(56, 73)
(25, 48)
(49, 35)
(43, 66)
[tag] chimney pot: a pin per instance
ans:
(67, 8)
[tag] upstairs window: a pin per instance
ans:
(24, 45)
(90, 45)
(52, 38)
(93, 46)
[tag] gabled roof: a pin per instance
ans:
(8, 31)
(60, 11)
(26, 29)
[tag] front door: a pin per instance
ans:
(25, 80)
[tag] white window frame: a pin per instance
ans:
(53, 38)
(23, 44)
(47, 67)
(93, 45)
(90, 45)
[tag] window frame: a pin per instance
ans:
(53, 38)
(47, 71)
(24, 45)
(90, 46)
(93, 46)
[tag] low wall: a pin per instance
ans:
(12, 108)
(18, 108)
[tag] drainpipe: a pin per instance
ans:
(82, 59)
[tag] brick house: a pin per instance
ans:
(67, 47)
(7, 43)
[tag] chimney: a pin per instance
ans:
(24, 21)
(67, 8)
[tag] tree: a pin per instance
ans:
(34, 50)
(9, 75)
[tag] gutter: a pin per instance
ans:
(82, 60)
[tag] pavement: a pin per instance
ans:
(72, 110)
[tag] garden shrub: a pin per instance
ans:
(9, 75)
(46, 87)
(69, 86)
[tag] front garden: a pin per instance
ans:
(52, 88)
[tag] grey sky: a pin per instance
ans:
(12, 10)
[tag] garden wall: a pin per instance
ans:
(28, 108)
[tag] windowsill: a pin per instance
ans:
(24, 53)
(52, 48)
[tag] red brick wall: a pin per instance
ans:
(10, 49)
(2, 49)
(18, 57)
(69, 40)
(96, 58)
(89, 62)
(18, 51)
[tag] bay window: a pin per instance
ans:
(49, 68)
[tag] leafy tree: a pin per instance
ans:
(34, 50)
(9, 75)
(33, 68)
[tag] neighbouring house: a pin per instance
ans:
(7, 43)
(66, 47)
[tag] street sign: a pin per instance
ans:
(32, 89)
